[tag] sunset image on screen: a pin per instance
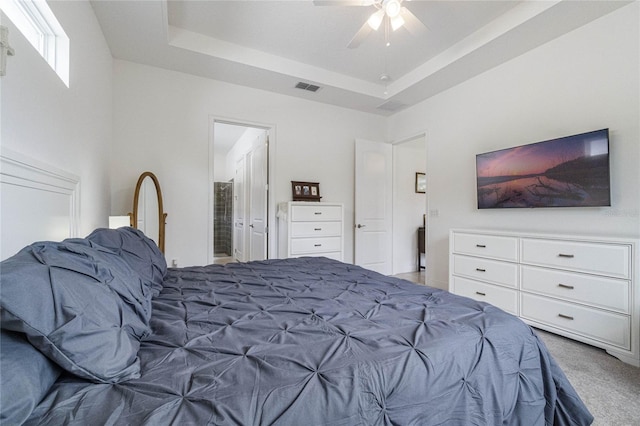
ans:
(570, 171)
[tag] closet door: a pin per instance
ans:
(257, 185)
(239, 212)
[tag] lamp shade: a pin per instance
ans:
(119, 221)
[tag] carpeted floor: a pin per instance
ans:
(607, 386)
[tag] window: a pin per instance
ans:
(39, 25)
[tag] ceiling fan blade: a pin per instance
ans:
(343, 2)
(362, 33)
(412, 23)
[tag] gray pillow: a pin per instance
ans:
(81, 306)
(139, 251)
(27, 375)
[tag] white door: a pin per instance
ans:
(257, 163)
(373, 224)
(239, 211)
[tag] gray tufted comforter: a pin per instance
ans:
(313, 341)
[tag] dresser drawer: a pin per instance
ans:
(607, 327)
(315, 245)
(316, 229)
(316, 212)
(504, 298)
(607, 293)
(604, 259)
(494, 271)
(505, 248)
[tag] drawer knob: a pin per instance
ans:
(480, 293)
(481, 270)
(570, 287)
(569, 256)
(481, 246)
(565, 316)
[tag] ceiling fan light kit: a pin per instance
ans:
(391, 8)
(375, 20)
(396, 22)
(390, 12)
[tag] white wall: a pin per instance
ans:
(161, 124)
(240, 149)
(585, 80)
(68, 128)
(408, 206)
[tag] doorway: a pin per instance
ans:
(410, 221)
(390, 211)
(239, 192)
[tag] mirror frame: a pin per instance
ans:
(162, 216)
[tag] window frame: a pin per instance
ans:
(37, 22)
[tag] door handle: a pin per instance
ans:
(360, 226)
(251, 226)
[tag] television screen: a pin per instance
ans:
(572, 171)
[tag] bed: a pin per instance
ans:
(98, 331)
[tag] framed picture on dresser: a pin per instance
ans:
(305, 191)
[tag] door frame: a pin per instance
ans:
(271, 177)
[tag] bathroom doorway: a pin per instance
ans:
(239, 173)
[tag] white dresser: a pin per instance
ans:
(585, 288)
(310, 229)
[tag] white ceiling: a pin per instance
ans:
(272, 45)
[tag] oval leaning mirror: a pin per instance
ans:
(148, 215)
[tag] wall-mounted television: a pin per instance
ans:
(571, 171)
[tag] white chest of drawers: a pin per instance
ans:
(579, 287)
(311, 229)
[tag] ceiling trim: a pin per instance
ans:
(216, 48)
(511, 20)
(200, 43)
(139, 31)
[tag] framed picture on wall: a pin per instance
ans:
(421, 183)
(305, 191)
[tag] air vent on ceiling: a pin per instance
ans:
(307, 86)
(392, 106)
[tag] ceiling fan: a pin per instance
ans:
(390, 13)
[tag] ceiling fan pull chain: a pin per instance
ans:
(386, 31)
